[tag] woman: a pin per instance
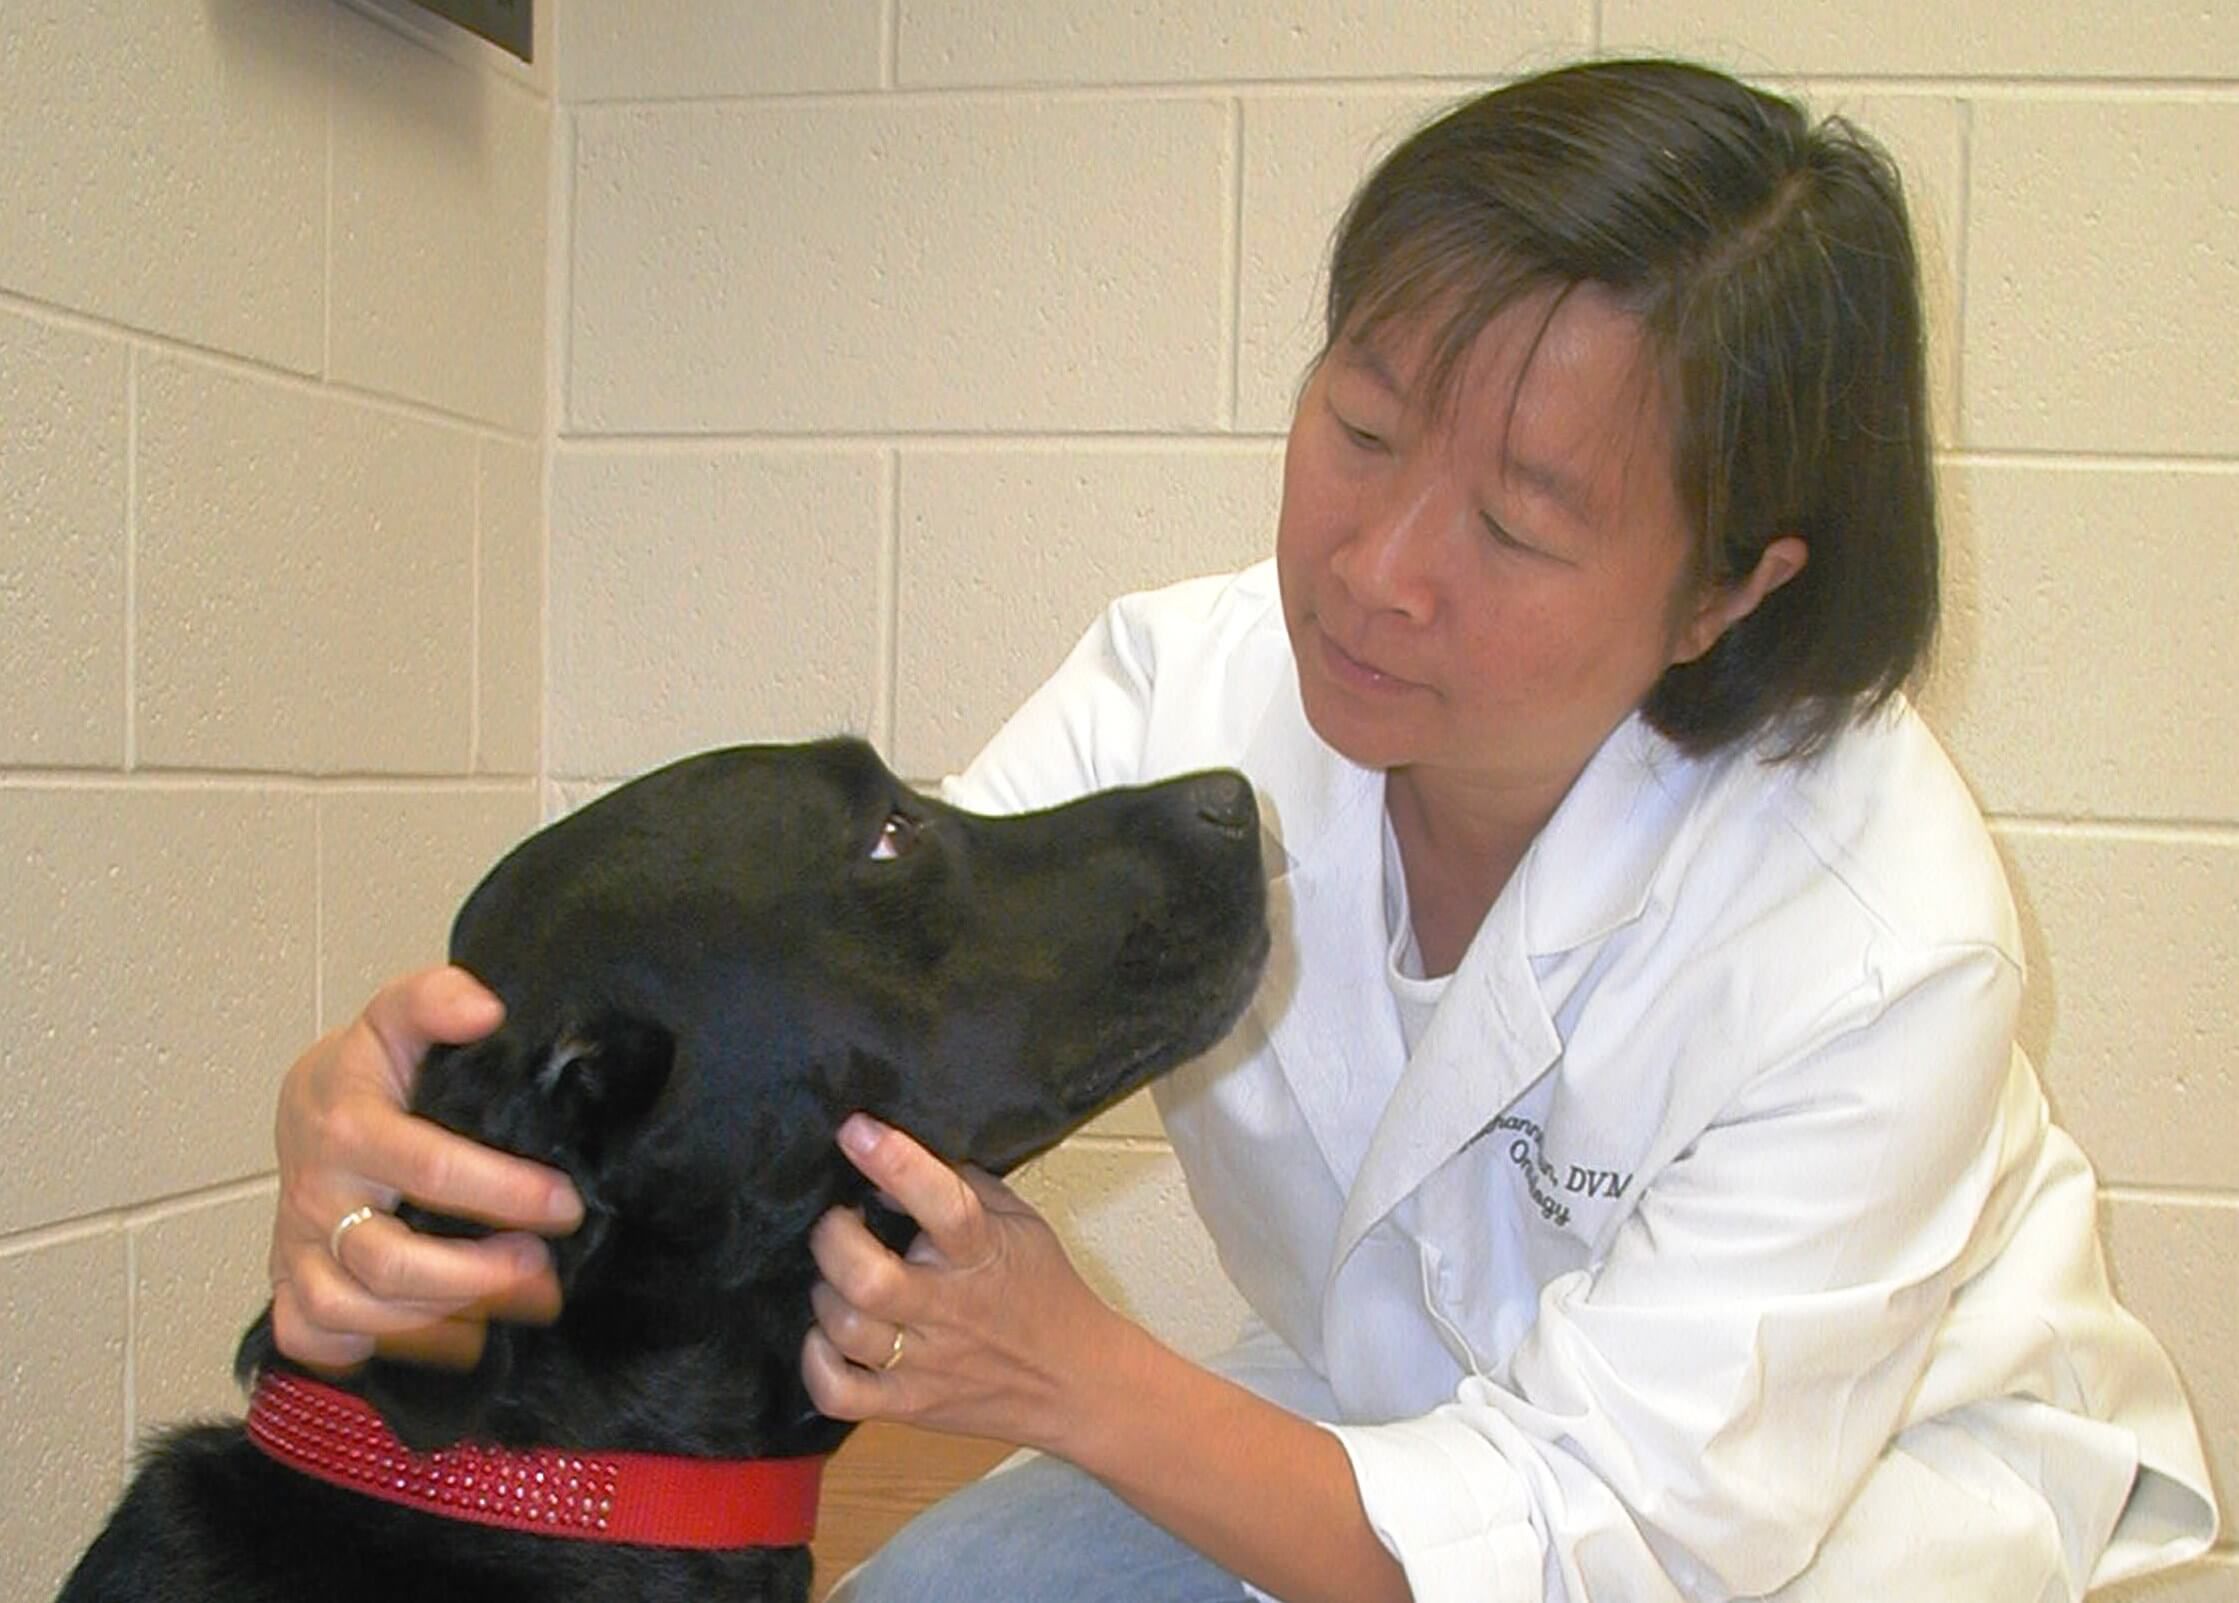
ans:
(1628, 1160)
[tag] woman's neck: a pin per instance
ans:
(1460, 839)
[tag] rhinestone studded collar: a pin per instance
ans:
(644, 1498)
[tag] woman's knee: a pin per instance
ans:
(1041, 1532)
(947, 1552)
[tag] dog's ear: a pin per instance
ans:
(567, 1093)
(597, 1082)
(575, 1096)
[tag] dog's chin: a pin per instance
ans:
(1096, 1089)
(1198, 1027)
(1017, 1137)
(1102, 1085)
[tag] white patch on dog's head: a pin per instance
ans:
(568, 1051)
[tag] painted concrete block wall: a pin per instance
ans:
(884, 341)
(272, 439)
(948, 319)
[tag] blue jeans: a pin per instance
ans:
(1039, 1532)
(1042, 1531)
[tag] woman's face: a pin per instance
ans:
(1490, 592)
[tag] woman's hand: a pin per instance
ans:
(999, 1336)
(346, 1143)
(983, 1329)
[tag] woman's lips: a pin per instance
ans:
(1347, 669)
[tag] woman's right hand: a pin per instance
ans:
(346, 1142)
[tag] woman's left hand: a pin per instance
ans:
(983, 1328)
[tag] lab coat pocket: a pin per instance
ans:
(1438, 1295)
(1486, 1250)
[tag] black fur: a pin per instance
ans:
(704, 972)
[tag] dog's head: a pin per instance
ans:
(707, 969)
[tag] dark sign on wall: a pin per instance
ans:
(508, 24)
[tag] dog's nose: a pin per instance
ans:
(1224, 800)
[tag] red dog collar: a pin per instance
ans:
(645, 1498)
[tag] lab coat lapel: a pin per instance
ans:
(1325, 908)
(1494, 1032)
(1490, 1038)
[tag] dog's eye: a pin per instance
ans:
(895, 837)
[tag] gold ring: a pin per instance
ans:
(343, 1226)
(894, 1353)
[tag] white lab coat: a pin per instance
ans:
(1715, 1173)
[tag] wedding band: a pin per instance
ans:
(358, 1216)
(894, 1353)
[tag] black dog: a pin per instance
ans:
(704, 972)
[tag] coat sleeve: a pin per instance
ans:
(1688, 1417)
(1082, 730)
(1151, 689)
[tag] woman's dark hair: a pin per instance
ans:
(1772, 267)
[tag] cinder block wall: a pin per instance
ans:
(887, 339)
(272, 425)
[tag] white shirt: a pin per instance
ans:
(1713, 1237)
(1415, 995)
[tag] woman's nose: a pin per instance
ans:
(1389, 560)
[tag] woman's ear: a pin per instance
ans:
(1720, 607)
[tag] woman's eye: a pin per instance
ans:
(895, 837)
(1501, 537)
(1360, 439)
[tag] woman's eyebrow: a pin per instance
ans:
(1565, 490)
(1368, 360)
(1552, 482)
